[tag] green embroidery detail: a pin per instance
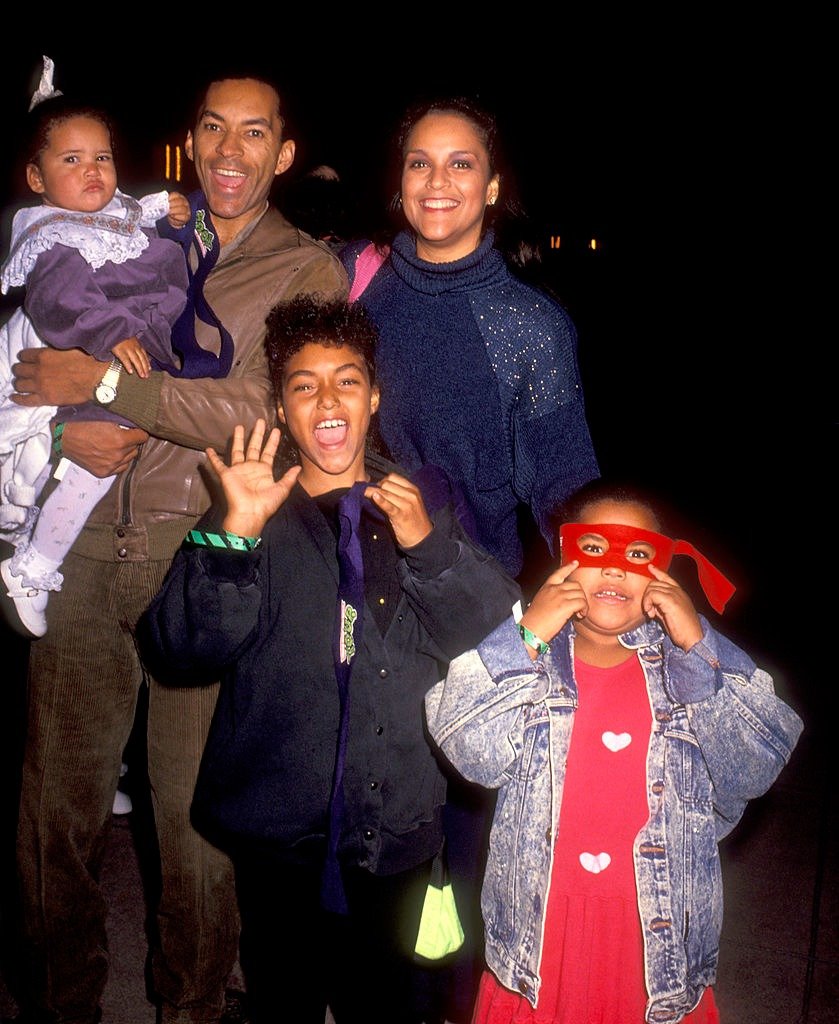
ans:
(350, 615)
(203, 232)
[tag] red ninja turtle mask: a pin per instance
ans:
(634, 550)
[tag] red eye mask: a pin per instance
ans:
(659, 549)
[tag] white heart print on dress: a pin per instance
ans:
(595, 863)
(616, 741)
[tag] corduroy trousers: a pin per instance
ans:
(85, 675)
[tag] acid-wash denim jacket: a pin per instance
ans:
(720, 736)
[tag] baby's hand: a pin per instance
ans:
(133, 357)
(179, 211)
(402, 503)
(557, 600)
(665, 600)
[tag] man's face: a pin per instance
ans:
(238, 149)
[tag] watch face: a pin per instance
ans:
(105, 394)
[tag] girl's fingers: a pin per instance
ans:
(561, 574)
(661, 575)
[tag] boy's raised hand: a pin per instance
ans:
(252, 493)
(402, 503)
(557, 600)
(665, 600)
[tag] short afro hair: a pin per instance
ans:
(312, 319)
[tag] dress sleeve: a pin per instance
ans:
(70, 310)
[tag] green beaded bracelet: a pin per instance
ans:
(533, 641)
(226, 541)
(57, 434)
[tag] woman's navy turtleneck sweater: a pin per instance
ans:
(478, 373)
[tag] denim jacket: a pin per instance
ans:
(720, 736)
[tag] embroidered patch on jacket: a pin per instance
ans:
(348, 620)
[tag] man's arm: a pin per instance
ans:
(195, 413)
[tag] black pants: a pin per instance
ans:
(297, 958)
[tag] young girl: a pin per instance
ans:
(98, 278)
(625, 736)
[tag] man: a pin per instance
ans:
(85, 674)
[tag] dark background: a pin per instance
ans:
(691, 148)
(675, 146)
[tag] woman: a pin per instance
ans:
(479, 368)
(479, 375)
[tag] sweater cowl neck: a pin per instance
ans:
(482, 267)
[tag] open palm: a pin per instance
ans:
(252, 493)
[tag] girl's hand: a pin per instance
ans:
(133, 357)
(557, 600)
(665, 600)
(179, 211)
(402, 503)
(252, 493)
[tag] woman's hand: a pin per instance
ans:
(252, 493)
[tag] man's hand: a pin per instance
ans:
(51, 376)
(102, 448)
(252, 494)
(402, 503)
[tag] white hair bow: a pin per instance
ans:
(45, 88)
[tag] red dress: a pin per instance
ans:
(592, 964)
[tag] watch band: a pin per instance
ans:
(106, 389)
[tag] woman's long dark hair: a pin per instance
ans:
(516, 236)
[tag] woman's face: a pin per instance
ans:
(446, 185)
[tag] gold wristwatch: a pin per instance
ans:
(106, 389)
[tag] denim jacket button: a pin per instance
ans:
(523, 987)
(547, 835)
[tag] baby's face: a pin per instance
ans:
(75, 170)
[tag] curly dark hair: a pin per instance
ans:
(516, 236)
(600, 489)
(55, 111)
(309, 319)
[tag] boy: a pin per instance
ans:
(329, 601)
